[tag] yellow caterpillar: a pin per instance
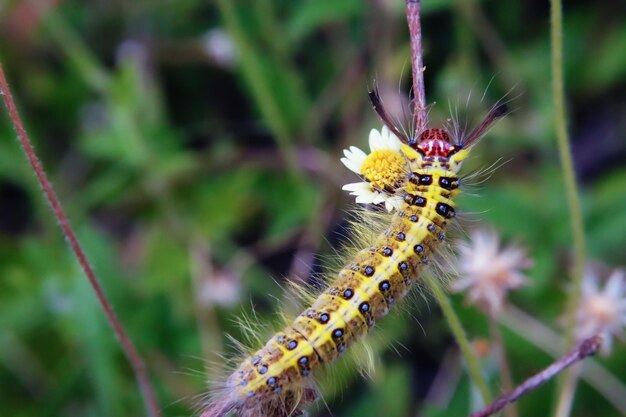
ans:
(417, 179)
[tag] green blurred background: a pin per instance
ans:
(196, 148)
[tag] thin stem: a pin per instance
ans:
(458, 332)
(569, 176)
(587, 348)
(505, 369)
(57, 210)
(548, 341)
(420, 114)
(573, 201)
(568, 392)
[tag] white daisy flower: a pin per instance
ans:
(382, 169)
(602, 311)
(488, 271)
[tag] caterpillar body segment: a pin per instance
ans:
(276, 380)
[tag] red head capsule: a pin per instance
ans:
(435, 143)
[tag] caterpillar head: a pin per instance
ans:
(435, 146)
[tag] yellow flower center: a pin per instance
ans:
(384, 168)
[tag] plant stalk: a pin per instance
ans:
(587, 348)
(420, 112)
(566, 384)
(473, 366)
(569, 175)
(126, 344)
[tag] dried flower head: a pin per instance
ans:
(381, 170)
(602, 311)
(223, 288)
(488, 271)
(214, 285)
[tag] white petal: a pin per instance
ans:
(607, 343)
(394, 143)
(350, 165)
(461, 284)
(590, 284)
(614, 285)
(365, 198)
(354, 159)
(390, 140)
(358, 151)
(386, 142)
(356, 186)
(380, 198)
(393, 203)
(493, 299)
(516, 280)
(364, 193)
(375, 140)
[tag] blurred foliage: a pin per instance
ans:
(195, 146)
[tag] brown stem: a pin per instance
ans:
(420, 115)
(587, 348)
(57, 210)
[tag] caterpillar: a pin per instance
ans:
(417, 178)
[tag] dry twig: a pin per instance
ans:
(420, 113)
(57, 210)
(587, 348)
